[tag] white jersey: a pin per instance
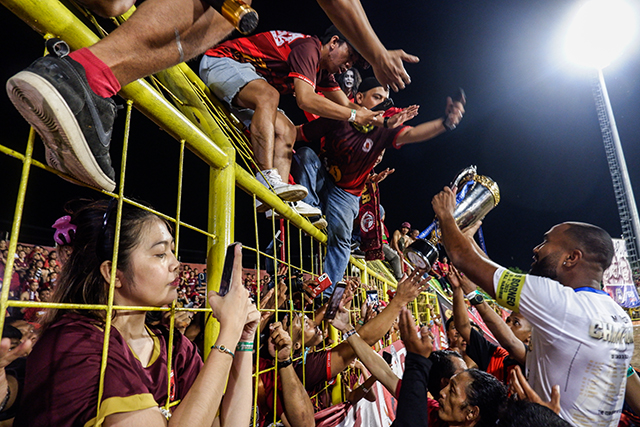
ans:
(581, 340)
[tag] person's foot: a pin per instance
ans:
(287, 192)
(303, 209)
(75, 124)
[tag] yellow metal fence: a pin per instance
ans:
(181, 105)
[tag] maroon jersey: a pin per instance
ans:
(63, 375)
(348, 154)
(280, 56)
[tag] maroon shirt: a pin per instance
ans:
(348, 154)
(63, 374)
(280, 56)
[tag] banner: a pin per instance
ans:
(618, 280)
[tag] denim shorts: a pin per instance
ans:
(226, 77)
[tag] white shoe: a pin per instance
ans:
(287, 192)
(302, 208)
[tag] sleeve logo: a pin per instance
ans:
(509, 288)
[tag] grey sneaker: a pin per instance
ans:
(75, 124)
(287, 192)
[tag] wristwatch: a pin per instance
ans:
(474, 298)
(284, 363)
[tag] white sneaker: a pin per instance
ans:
(302, 208)
(287, 192)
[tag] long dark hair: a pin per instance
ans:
(81, 281)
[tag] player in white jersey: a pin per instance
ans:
(581, 340)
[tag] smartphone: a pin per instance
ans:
(225, 281)
(323, 282)
(460, 96)
(384, 105)
(372, 299)
(335, 300)
(387, 357)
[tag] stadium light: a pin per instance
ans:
(600, 32)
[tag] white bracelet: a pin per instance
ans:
(352, 117)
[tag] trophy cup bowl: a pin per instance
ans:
(481, 196)
(422, 254)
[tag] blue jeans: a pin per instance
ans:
(340, 208)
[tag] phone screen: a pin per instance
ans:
(225, 281)
(372, 298)
(334, 302)
(387, 357)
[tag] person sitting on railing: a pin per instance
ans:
(250, 73)
(336, 181)
(63, 370)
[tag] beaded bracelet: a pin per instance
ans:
(223, 349)
(360, 322)
(244, 346)
(630, 371)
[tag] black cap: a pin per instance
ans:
(368, 84)
(333, 31)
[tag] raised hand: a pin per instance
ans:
(420, 345)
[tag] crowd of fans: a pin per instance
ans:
(275, 358)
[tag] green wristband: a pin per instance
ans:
(244, 346)
(630, 371)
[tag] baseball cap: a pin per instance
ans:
(405, 224)
(333, 31)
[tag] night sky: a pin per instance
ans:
(531, 124)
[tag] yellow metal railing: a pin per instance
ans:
(181, 105)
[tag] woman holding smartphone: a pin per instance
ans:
(63, 370)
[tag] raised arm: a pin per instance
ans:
(425, 131)
(460, 314)
(297, 406)
(313, 103)
(503, 333)
(374, 363)
(460, 250)
(375, 329)
(352, 21)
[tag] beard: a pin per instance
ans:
(546, 267)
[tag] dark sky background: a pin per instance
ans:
(531, 124)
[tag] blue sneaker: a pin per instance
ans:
(75, 124)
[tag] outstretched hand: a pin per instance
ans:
(518, 384)
(420, 345)
(399, 118)
(457, 280)
(377, 178)
(389, 69)
(410, 287)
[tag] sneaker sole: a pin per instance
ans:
(320, 224)
(292, 194)
(45, 109)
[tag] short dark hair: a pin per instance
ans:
(442, 367)
(488, 394)
(523, 413)
(594, 242)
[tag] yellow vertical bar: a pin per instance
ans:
(114, 260)
(15, 228)
(222, 200)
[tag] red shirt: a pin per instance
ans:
(348, 154)
(280, 56)
(63, 372)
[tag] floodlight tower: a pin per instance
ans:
(599, 33)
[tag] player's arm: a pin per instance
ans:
(313, 103)
(352, 21)
(460, 250)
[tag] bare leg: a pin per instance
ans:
(283, 150)
(261, 97)
(147, 42)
